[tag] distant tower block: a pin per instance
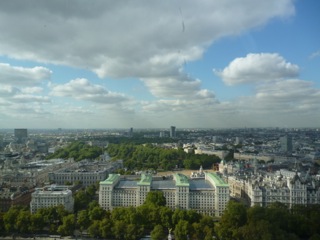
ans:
(286, 144)
(21, 134)
(172, 131)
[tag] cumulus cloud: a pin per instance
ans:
(22, 76)
(24, 98)
(31, 90)
(173, 87)
(290, 97)
(82, 89)
(258, 68)
(125, 38)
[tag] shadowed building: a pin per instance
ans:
(21, 134)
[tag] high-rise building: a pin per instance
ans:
(286, 143)
(172, 131)
(21, 134)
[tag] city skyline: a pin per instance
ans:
(142, 64)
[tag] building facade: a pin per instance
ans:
(87, 173)
(50, 196)
(208, 195)
(286, 143)
(21, 134)
(172, 131)
(287, 190)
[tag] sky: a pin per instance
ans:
(156, 64)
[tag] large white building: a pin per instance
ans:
(52, 196)
(208, 195)
(87, 173)
(264, 188)
(291, 190)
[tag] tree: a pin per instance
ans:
(94, 229)
(133, 232)
(83, 221)
(96, 213)
(106, 228)
(158, 233)
(81, 200)
(182, 230)
(10, 218)
(68, 225)
(166, 216)
(260, 230)
(23, 221)
(36, 222)
(155, 198)
(2, 228)
(119, 230)
(234, 217)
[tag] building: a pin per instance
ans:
(14, 197)
(21, 134)
(286, 143)
(208, 195)
(287, 187)
(50, 196)
(87, 173)
(172, 131)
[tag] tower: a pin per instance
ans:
(286, 143)
(20, 134)
(172, 131)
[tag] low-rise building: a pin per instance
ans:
(87, 173)
(52, 195)
(14, 197)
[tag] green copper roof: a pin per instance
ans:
(181, 180)
(145, 180)
(111, 179)
(217, 180)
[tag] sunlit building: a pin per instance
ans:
(50, 196)
(208, 195)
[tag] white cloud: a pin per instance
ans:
(31, 90)
(173, 87)
(82, 89)
(8, 91)
(24, 98)
(125, 38)
(21, 76)
(315, 54)
(258, 68)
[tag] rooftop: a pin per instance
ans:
(163, 184)
(181, 180)
(111, 179)
(126, 184)
(145, 180)
(217, 180)
(200, 184)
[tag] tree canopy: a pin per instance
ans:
(148, 156)
(78, 151)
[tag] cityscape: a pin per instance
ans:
(162, 120)
(256, 167)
